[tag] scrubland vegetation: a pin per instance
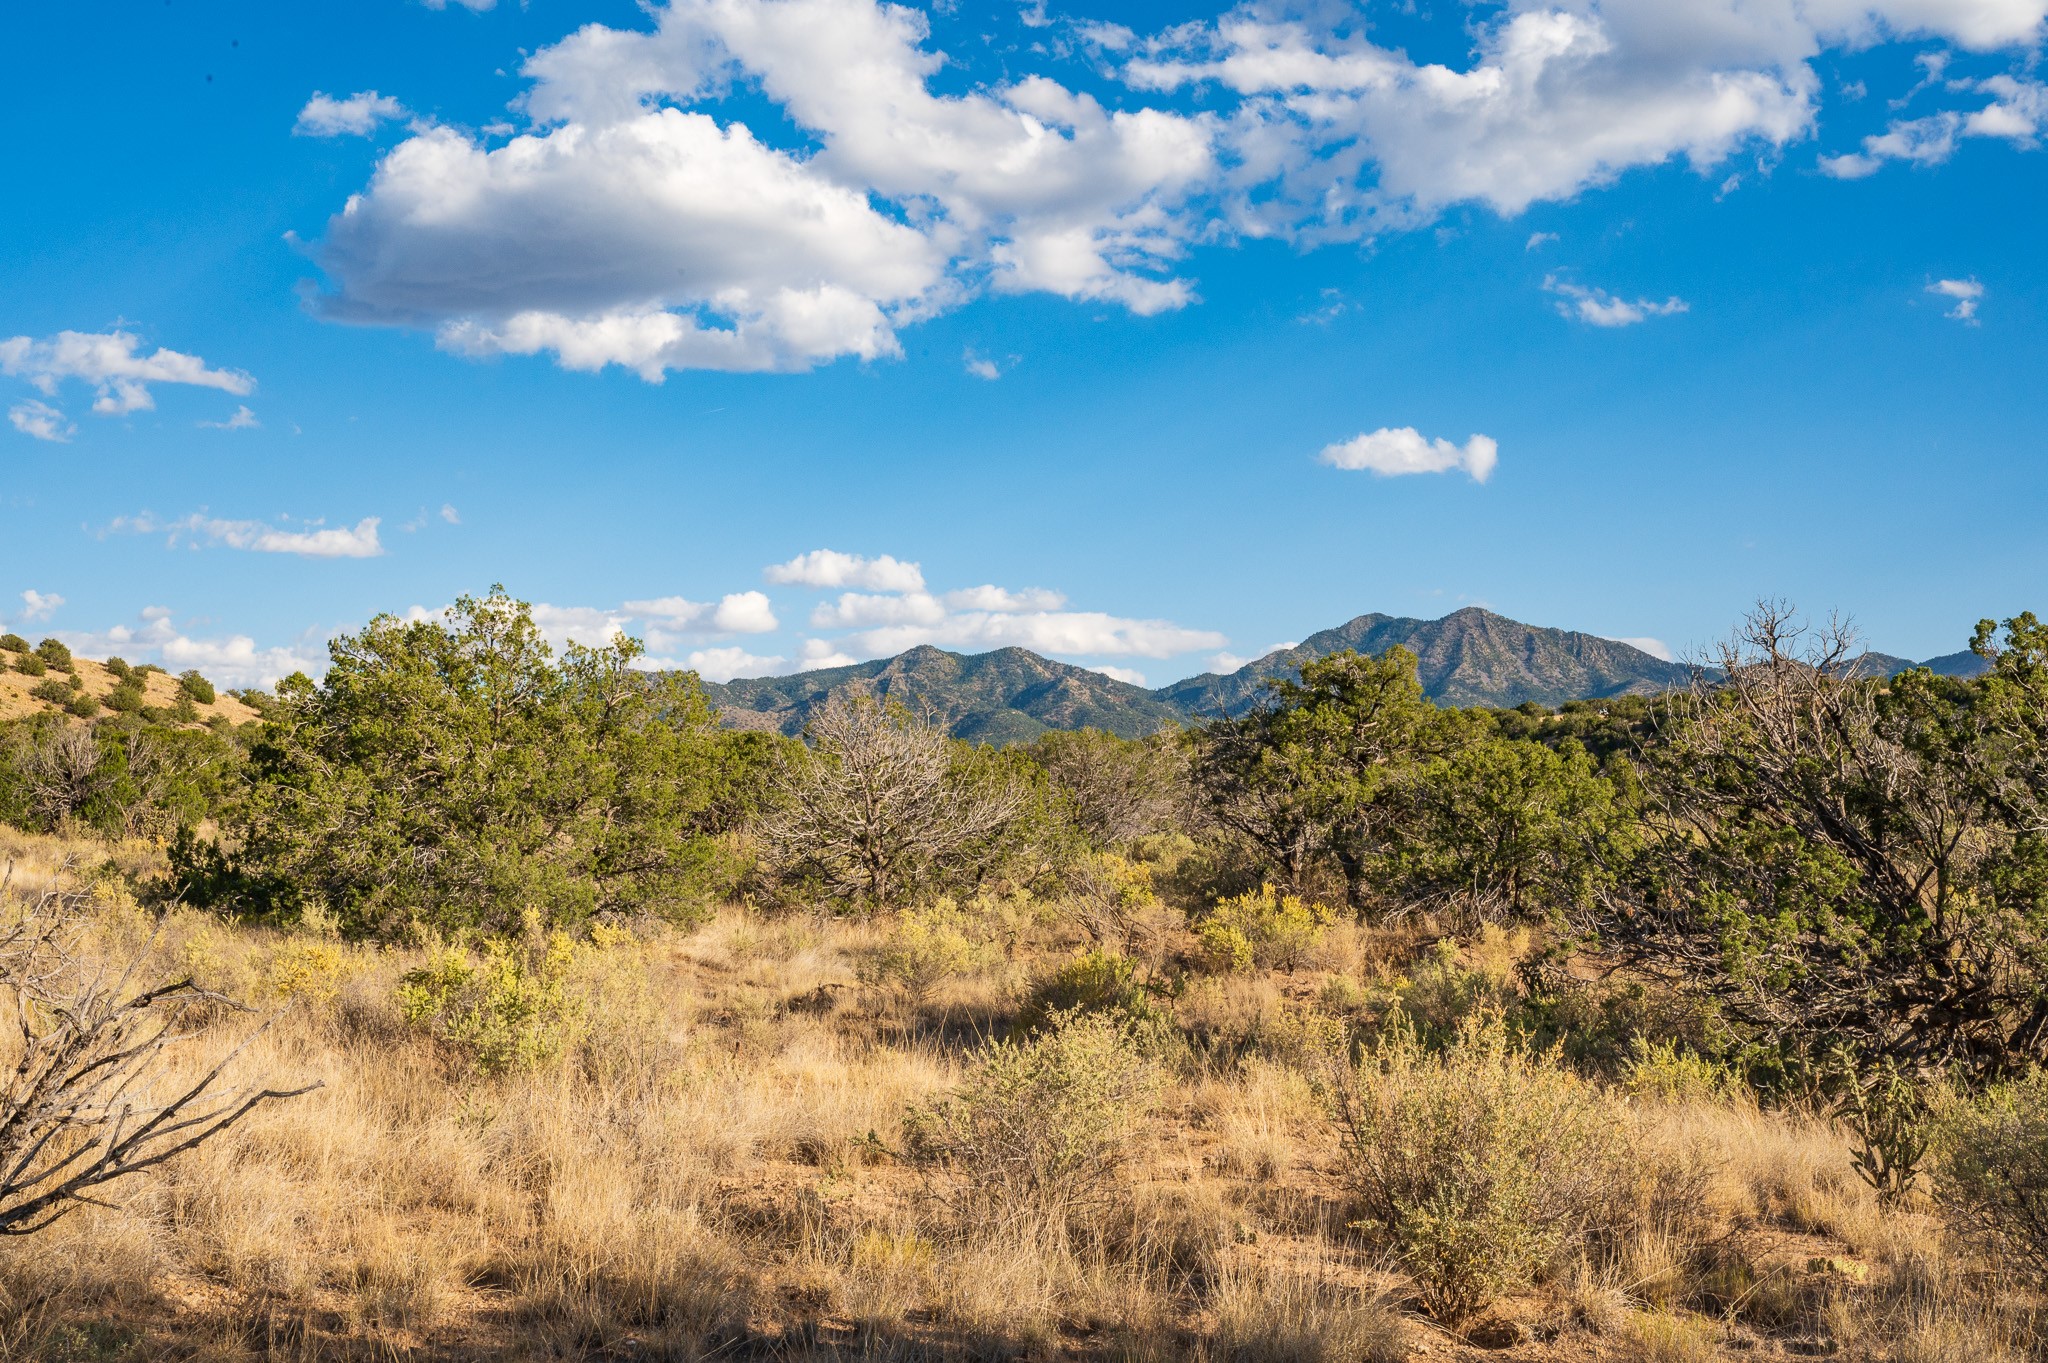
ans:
(486, 1003)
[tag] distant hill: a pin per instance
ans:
(1009, 696)
(1470, 657)
(1964, 664)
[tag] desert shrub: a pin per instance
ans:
(54, 654)
(29, 665)
(126, 698)
(1991, 1181)
(1483, 1166)
(1664, 1072)
(182, 710)
(1263, 928)
(504, 1009)
(196, 686)
(929, 946)
(1269, 1317)
(1102, 983)
(51, 690)
(1043, 1126)
(119, 667)
(83, 704)
(13, 643)
(309, 968)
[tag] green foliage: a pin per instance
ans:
(126, 698)
(1991, 1180)
(82, 704)
(51, 690)
(1263, 928)
(196, 686)
(1043, 1125)
(119, 667)
(504, 1009)
(1514, 829)
(457, 774)
(1855, 871)
(1319, 772)
(13, 643)
(1098, 983)
(31, 665)
(1483, 1166)
(926, 947)
(54, 654)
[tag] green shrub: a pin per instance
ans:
(119, 667)
(13, 643)
(29, 665)
(1483, 1166)
(1098, 983)
(182, 710)
(1263, 928)
(1044, 1124)
(51, 690)
(55, 654)
(83, 704)
(506, 1009)
(1662, 1072)
(1991, 1180)
(126, 698)
(929, 946)
(196, 686)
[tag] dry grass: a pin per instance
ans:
(714, 1168)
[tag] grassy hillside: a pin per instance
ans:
(160, 691)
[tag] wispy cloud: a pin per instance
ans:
(242, 420)
(311, 541)
(1599, 308)
(42, 421)
(113, 364)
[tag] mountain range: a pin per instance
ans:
(1470, 657)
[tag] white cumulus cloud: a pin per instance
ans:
(1966, 293)
(626, 226)
(1395, 450)
(37, 605)
(830, 568)
(356, 115)
(113, 364)
(41, 420)
(745, 613)
(723, 664)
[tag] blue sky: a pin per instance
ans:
(782, 332)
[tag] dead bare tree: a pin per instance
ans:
(88, 1101)
(63, 769)
(878, 800)
(1117, 790)
(1829, 860)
